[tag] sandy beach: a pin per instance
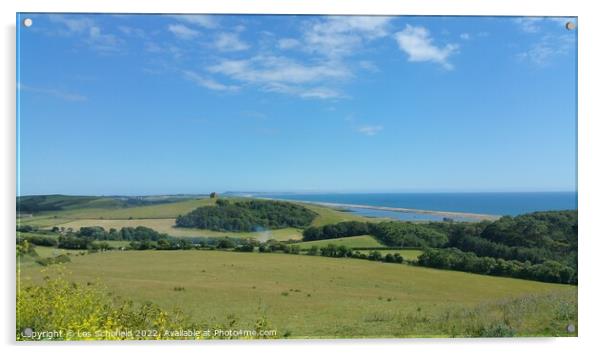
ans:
(447, 214)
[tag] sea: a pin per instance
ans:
(498, 204)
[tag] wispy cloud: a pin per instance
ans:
(465, 36)
(369, 66)
(104, 42)
(288, 43)
(206, 21)
(63, 95)
(417, 43)
(529, 24)
(369, 130)
(548, 47)
(536, 24)
(229, 42)
(132, 31)
(337, 36)
(93, 35)
(284, 75)
(72, 24)
(182, 31)
(207, 82)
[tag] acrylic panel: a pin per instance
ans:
(197, 177)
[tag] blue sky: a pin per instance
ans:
(157, 104)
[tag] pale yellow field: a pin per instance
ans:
(162, 219)
(167, 226)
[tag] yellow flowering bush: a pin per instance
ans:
(62, 310)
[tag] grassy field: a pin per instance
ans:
(328, 215)
(167, 226)
(360, 242)
(159, 211)
(305, 296)
(353, 241)
(161, 218)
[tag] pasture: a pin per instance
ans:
(351, 242)
(305, 296)
(161, 217)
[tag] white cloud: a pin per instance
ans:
(132, 31)
(465, 36)
(207, 82)
(92, 34)
(103, 42)
(369, 130)
(284, 75)
(529, 24)
(548, 47)
(337, 36)
(67, 96)
(320, 92)
(74, 25)
(269, 69)
(206, 21)
(417, 43)
(369, 66)
(288, 43)
(535, 24)
(229, 42)
(182, 31)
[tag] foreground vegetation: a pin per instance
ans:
(324, 297)
(58, 309)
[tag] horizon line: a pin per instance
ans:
(293, 192)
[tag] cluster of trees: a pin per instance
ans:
(390, 233)
(39, 240)
(540, 246)
(40, 203)
(162, 244)
(341, 251)
(455, 259)
(275, 246)
(535, 237)
(139, 233)
(407, 234)
(342, 229)
(247, 215)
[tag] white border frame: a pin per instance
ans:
(589, 168)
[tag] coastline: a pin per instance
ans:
(449, 214)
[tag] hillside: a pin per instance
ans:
(329, 297)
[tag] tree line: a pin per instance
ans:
(455, 259)
(390, 233)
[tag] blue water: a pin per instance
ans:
(404, 216)
(480, 203)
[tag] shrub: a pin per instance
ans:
(58, 305)
(313, 250)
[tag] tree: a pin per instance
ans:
(313, 250)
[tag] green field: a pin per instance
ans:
(159, 211)
(305, 296)
(352, 242)
(359, 242)
(161, 217)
